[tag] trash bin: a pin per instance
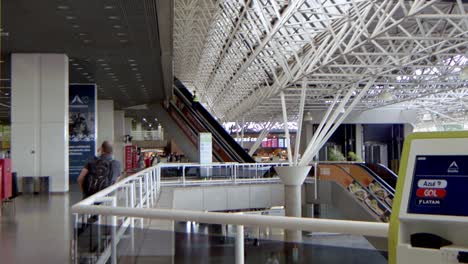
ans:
(28, 185)
(14, 185)
(44, 184)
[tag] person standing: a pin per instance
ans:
(195, 100)
(100, 172)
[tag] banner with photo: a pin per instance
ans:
(82, 127)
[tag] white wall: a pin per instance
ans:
(119, 132)
(105, 121)
(128, 126)
(228, 197)
(39, 117)
(374, 116)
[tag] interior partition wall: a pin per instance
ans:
(39, 118)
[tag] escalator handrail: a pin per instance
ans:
(191, 127)
(181, 88)
(211, 122)
(388, 170)
(219, 139)
(379, 179)
(389, 175)
(381, 203)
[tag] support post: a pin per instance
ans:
(293, 178)
(240, 244)
(300, 121)
(286, 128)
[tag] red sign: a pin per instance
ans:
(128, 157)
(431, 193)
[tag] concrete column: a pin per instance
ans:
(407, 129)
(128, 126)
(119, 132)
(293, 178)
(105, 121)
(359, 140)
(39, 117)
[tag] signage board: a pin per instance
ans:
(439, 186)
(205, 148)
(82, 127)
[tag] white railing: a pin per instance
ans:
(147, 135)
(187, 174)
(131, 199)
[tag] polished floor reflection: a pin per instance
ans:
(37, 229)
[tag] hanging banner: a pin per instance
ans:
(82, 127)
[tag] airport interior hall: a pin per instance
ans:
(233, 131)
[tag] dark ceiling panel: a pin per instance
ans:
(113, 43)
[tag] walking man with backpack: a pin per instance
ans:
(100, 172)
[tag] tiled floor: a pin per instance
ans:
(37, 229)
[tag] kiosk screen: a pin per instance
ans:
(440, 186)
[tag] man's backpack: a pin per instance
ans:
(100, 177)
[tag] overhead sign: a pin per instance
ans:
(82, 127)
(440, 185)
(205, 148)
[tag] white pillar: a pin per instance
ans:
(39, 117)
(407, 129)
(119, 132)
(105, 121)
(293, 177)
(128, 126)
(239, 244)
(359, 140)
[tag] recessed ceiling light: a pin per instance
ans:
(79, 69)
(124, 40)
(7, 93)
(75, 64)
(120, 34)
(131, 60)
(117, 26)
(70, 17)
(110, 73)
(113, 17)
(108, 7)
(70, 59)
(133, 64)
(134, 69)
(85, 73)
(107, 69)
(104, 64)
(63, 7)
(83, 34)
(86, 41)
(76, 26)
(100, 60)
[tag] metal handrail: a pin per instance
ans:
(148, 182)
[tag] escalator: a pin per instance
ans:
(367, 189)
(194, 121)
(384, 173)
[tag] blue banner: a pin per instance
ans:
(82, 127)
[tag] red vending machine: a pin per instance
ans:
(5, 171)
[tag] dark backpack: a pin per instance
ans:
(100, 177)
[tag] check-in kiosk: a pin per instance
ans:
(430, 213)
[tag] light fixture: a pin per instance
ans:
(76, 26)
(100, 60)
(107, 69)
(386, 96)
(464, 74)
(70, 17)
(86, 41)
(108, 7)
(308, 117)
(121, 34)
(79, 69)
(134, 69)
(104, 64)
(123, 40)
(83, 34)
(131, 60)
(75, 64)
(63, 7)
(113, 17)
(117, 26)
(85, 73)
(427, 117)
(133, 64)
